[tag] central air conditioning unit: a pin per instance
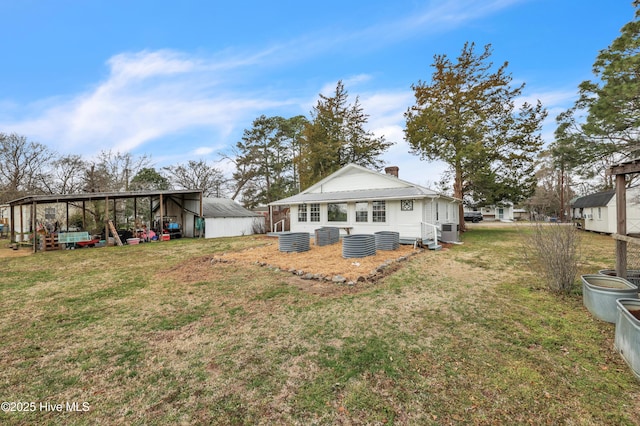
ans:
(450, 232)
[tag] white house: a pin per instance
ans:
(362, 201)
(600, 214)
(498, 212)
(504, 211)
(225, 218)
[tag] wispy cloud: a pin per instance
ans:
(150, 95)
(146, 95)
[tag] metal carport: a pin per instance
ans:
(180, 197)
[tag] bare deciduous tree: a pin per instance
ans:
(198, 175)
(22, 165)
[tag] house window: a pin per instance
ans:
(302, 212)
(599, 212)
(337, 212)
(379, 213)
(315, 212)
(406, 205)
(362, 212)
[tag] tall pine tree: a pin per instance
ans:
(335, 137)
(466, 117)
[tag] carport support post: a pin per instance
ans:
(161, 222)
(621, 208)
(106, 220)
(12, 225)
(34, 232)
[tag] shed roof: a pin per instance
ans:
(599, 199)
(224, 207)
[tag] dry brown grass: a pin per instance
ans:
(168, 334)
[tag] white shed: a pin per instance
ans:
(599, 211)
(226, 218)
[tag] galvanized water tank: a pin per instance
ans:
(600, 292)
(293, 242)
(358, 245)
(387, 240)
(633, 275)
(627, 335)
(326, 235)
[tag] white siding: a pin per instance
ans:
(604, 219)
(599, 219)
(229, 227)
(407, 223)
(359, 180)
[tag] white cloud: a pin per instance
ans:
(203, 151)
(146, 96)
(151, 95)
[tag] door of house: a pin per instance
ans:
(500, 213)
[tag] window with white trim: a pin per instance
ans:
(315, 212)
(379, 211)
(362, 212)
(406, 205)
(302, 212)
(337, 212)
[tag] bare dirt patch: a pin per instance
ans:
(317, 270)
(6, 251)
(322, 262)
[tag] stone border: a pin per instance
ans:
(374, 275)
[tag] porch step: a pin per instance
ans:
(426, 242)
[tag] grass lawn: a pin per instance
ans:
(159, 334)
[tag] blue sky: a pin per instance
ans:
(182, 80)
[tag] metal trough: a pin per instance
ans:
(358, 245)
(600, 292)
(293, 242)
(627, 337)
(387, 240)
(633, 275)
(327, 235)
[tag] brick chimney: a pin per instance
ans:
(392, 170)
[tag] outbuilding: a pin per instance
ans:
(226, 218)
(599, 213)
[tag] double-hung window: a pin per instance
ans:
(302, 212)
(315, 212)
(379, 211)
(362, 212)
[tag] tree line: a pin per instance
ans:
(275, 158)
(466, 115)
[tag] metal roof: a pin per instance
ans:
(365, 194)
(88, 196)
(599, 199)
(224, 207)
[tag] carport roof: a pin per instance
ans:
(89, 196)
